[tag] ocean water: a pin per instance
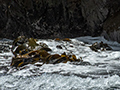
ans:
(101, 71)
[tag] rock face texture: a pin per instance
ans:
(95, 12)
(59, 18)
(102, 17)
(111, 26)
(41, 18)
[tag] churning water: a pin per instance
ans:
(101, 70)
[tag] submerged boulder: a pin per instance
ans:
(100, 46)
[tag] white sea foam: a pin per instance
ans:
(59, 82)
(102, 72)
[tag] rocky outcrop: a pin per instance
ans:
(59, 18)
(41, 18)
(102, 17)
(111, 27)
(95, 12)
(29, 51)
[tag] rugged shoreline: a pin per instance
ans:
(53, 18)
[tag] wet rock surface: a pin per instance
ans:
(27, 51)
(100, 46)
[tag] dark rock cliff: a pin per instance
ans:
(41, 18)
(111, 26)
(58, 18)
(103, 17)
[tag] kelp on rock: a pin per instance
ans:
(28, 51)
